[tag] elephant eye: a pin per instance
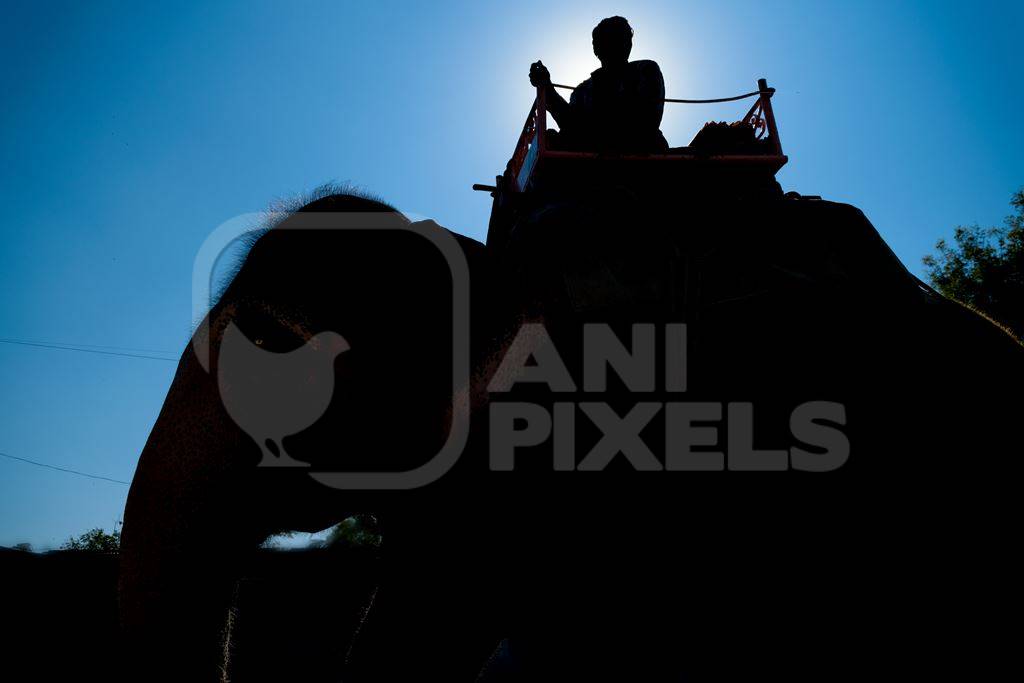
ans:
(268, 332)
(275, 337)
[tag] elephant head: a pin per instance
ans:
(328, 348)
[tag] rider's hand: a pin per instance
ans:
(539, 74)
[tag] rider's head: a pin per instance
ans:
(613, 40)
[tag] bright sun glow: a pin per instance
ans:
(570, 57)
(568, 53)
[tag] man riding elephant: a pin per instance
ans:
(619, 107)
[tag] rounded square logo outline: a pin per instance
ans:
(432, 470)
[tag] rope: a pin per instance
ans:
(667, 99)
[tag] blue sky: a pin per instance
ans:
(128, 134)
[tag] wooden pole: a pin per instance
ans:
(542, 120)
(769, 115)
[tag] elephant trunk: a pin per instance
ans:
(190, 519)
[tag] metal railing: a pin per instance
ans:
(531, 145)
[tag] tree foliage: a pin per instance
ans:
(984, 268)
(95, 540)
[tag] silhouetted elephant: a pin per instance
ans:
(633, 572)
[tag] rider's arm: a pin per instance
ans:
(651, 94)
(561, 111)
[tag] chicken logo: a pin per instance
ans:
(273, 395)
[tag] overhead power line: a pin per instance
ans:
(63, 469)
(89, 348)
